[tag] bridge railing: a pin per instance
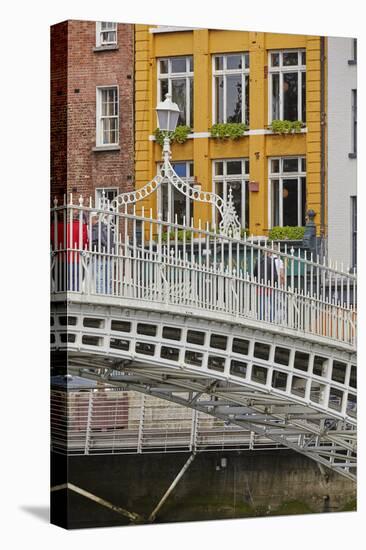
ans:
(133, 256)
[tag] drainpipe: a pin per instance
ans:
(322, 144)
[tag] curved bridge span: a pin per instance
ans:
(168, 320)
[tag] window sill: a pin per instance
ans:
(258, 132)
(113, 47)
(352, 155)
(100, 148)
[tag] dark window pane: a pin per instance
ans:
(290, 165)
(179, 97)
(171, 354)
(164, 88)
(290, 202)
(196, 337)
(193, 358)
(298, 386)
(261, 351)
(282, 356)
(233, 167)
(303, 165)
(148, 330)
(219, 99)
(290, 94)
(259, 374)
(238, 368)
(303, 200)
(218, 341)
(121, 326)
(233, 61)
(163, 66)
(91, 322)
(241, 346)
(279, 380)
(275, 166)
(216, 363)
(116, 343)
(219, 168)
(179, 206)
(145, 349)
(339, 371)
(246, 117)
(301, 361)
(246, 60)
(303, 97)
(303, 58)
(190, 64)
(275, 96)
(219, 63)
(275, 202)
(233, 98)
(275, 59)
(320, 366)
(172, 333)
(353, 377)
(179, 65)
(289, 58)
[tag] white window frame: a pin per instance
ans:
(281, 69)
(100, 43)
(172, 190)
(99, 194)
(225, 179)
(170, 76)
(244, 71)
(99, 125)
(280, 176)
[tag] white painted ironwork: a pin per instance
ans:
(131, 422)
(171, 310)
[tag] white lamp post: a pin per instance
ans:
(168, 114)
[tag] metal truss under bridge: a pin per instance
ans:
(259, 338)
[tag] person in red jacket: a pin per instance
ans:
(67, 244)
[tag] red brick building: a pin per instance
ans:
(92, 94)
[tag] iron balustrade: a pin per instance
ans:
(142, 258)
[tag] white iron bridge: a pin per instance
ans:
(259, 338)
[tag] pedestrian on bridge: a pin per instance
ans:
(270, 275)
(102, 241)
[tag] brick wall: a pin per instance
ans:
(88, 169)
(59, 108)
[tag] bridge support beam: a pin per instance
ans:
(172, 487)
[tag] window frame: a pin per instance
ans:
(99, 192)
(281, 69)
(224, 72)
(99, 116)
(225, 179)
(171, 190)
(280, 176)
(188, 75)
(98, 37)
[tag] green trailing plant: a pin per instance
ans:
(181, 232)
(229, 130)
(286, 126)
(286, 233)
(180, 135)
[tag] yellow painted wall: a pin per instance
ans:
(202, 44)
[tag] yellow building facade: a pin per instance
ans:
(234, 76)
